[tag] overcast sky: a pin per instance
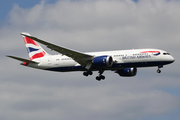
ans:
(91, 25)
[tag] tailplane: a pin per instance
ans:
(34, 49)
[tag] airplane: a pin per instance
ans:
(122, 62)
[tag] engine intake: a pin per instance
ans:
(127, 72)
(106, 61)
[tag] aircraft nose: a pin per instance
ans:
(171, 59)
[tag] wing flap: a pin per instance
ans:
(81, 58)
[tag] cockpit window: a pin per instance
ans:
(166, 54)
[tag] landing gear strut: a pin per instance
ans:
(100, 77)
(158, 70)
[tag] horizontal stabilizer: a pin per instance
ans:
(22, 59)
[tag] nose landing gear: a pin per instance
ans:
(158, 70)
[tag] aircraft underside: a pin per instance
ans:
(113, 67)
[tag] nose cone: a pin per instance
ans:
(171, 59)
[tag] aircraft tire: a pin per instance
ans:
(85, 74)
(90, 72)
(158, 71)
(98, 78)
(102, 77)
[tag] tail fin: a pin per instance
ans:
(34, 49)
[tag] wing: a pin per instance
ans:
(22, 59)
(81, 58)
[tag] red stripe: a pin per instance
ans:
(29, 41)
(38, 55)
(150, 52)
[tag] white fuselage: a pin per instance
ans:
(122, 62)
(121, 59)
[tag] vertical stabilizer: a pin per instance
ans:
(34, 49)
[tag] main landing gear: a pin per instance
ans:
(100, 77)
(158, 70)
(87, 73)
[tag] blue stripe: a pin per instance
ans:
(30, 49)
(156, 54)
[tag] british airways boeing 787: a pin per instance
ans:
(122, 62)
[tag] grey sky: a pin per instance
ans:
(27, 93)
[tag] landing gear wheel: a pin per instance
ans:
(101, 77)
(158, 71)
(90, 72)
(98, 78)
(86, 73)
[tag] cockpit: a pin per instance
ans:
(166, 54)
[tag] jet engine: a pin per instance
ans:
(105, 61)
(127, 72)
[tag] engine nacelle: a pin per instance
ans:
(127, 72)
(106, 61)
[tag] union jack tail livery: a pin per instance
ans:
(34, 49)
